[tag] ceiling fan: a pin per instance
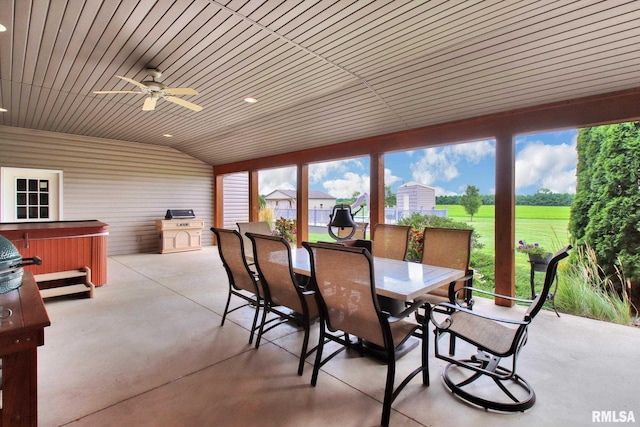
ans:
(157, 90)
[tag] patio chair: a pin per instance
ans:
(282, 290)
(494, 339)
(346, 294)
(360, 233)
(391, 241)
(258, 227)
(449, 248)
(243, 283)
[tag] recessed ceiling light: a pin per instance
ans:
(250, 100)
(2, 28)
(167, 135)
(3, 110)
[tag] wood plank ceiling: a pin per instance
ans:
(323, 71)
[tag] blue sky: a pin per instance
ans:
(544, 160)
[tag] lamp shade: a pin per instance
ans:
(341, 217)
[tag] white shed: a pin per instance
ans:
(416, 197)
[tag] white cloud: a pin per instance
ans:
(319, 171)
(276, 179)
(440, 163)
(285, 178)
(390, 178)
(442, 192)
(473, 152)
(547, 166)
(346, 186)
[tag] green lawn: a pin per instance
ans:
(545, 225)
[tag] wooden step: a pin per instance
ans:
(65, 283)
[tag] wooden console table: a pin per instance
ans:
(62, 246)
(23, 318)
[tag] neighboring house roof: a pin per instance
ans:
(418, 184)
(291, 194)
(277, 194)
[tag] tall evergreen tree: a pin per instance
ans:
(608, 192)
(588, 145)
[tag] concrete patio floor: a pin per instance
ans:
(149, 350)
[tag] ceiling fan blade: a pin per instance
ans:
(149, 104)
(115, 91)
(127, 79)
(183, 103)
(180, 91)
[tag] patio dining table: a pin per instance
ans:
(398, 280)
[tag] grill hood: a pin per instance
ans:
(11, 263)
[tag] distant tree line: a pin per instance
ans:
(542, 197)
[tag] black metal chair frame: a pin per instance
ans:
(256, 300)
(486, 363)
(270, 306)
(328, 333)
(551, 296)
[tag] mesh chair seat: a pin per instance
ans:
(401, 331)
(485, 333)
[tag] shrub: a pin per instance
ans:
(286, 228)
(266, 214)
(585, 291)
(483, 271)
(418, 223)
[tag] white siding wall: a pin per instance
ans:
(235, 199)
(126, 185)
(326, 203)
(420, 198)
(426, 198)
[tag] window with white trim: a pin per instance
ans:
(31, 195)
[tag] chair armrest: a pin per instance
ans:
(464, 279)
(453, 307)
(494, 294)
(407, 311)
